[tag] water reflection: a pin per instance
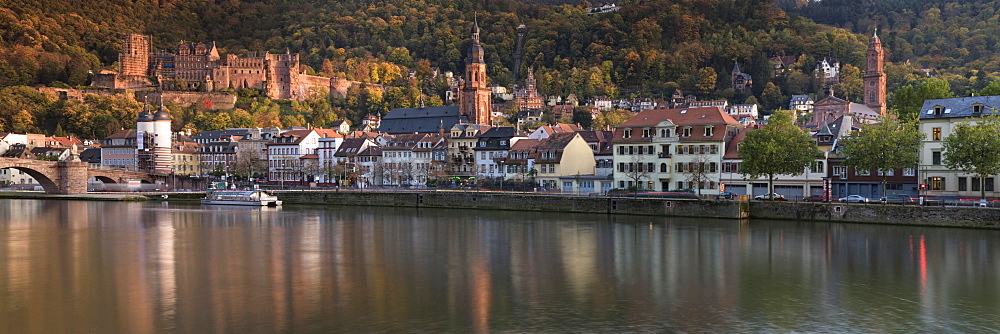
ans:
(133, 267)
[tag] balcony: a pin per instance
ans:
(664, 155)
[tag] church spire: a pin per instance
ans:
(874, 78)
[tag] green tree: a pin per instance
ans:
(780, 148)
(991, 89)
(974, 148)
(888, 145)
(771, 96)
(908, 100)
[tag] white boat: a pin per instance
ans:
(240, 197)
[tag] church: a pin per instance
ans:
(473, 104)
(831, 108)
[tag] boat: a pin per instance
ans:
(240, 197)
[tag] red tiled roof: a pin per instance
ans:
(731, 152)
(696, 118)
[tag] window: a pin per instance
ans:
(935, 158)
(976, 186)
(839, 171)
(621, 167)
(962, 185)
(621, 184)
(714, 149)
(989, 184)
(628, 133)
(649, 167)
(817, 167)
(937, 183)
(665, 133)
(680, 185)
(936, 134)
(687, 132)
(890, 172)
(645, 133)
(938, 110)
(909, 171)
(712, 167)
(708, 131)
(650, 149)
(663, 168)
(977, 108)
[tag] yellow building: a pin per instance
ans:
(184, 157)
(561, 158)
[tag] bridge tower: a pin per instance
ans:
(161, 142)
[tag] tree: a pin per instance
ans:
(700, 171)
(909, 99)
(974, 147)
(771, 96)
(706, 80)
(780, 148)
(636, 171)
(888, 145)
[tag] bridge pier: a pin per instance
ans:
(72, 177)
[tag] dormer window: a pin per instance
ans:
(664, 133)
(708, 131)
(628, 133)
(938, 110)
(978, 108)
(645, 133)
(687, 132)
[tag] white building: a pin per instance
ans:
(938, 118)
(673, 149)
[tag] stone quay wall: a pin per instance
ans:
(878, 214)
(799, 211)
(523, 202)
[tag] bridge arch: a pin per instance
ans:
(43, 179)
(70, 177)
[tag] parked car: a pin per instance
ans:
(813, 198)
(854, 199)
(726, 196)
(899, 199)
(765, 197)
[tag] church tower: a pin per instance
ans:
(474, 102)
(874, 78)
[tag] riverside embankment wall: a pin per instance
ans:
(802, 211)
(524, 202)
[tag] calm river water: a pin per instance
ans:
(107, 267)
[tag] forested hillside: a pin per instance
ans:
(648, 48)
(956, 40)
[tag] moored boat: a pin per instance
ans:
(240, 197)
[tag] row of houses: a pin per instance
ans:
(679, 149)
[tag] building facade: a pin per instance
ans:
(938, 118)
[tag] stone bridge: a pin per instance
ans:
(70, 177)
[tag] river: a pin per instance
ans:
(117, 267)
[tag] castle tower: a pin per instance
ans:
(474, 101)
(874, 78)
(161, 142)
(134, 58)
